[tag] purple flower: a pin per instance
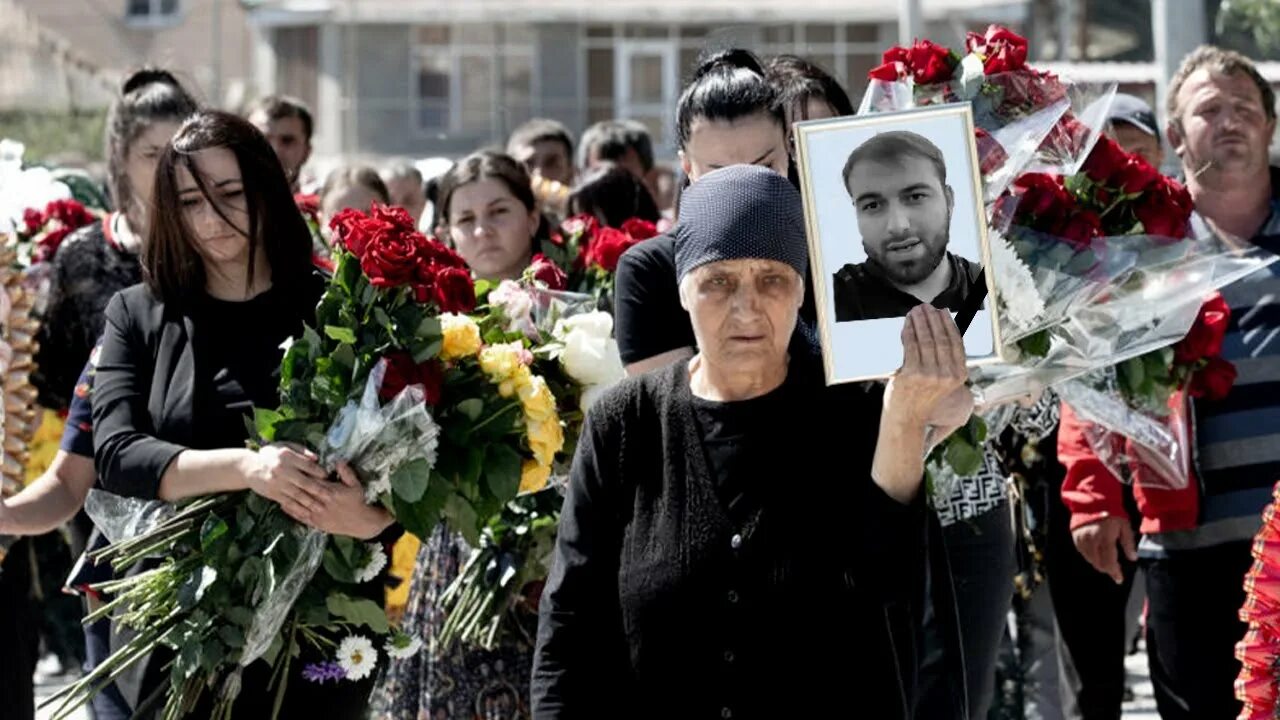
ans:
(323, 672)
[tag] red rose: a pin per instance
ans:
(307, 204)
(896, 54)
(1135, 176)
(607, 247)
(48, 244)
(548, 273)
(1043, 204)
(33, 219)
(348, 228)
(1066, 139)
(931, 63)
(323, 263)
(1003, 50)
(389, 259)
(395, 216)
(991, 154)
(1214, 380)
(1081, 228)
(1204, 340)
(1105, 160)
(581, 225)
(455, 292)
(639, 229)
(401, 372)
(888, 72)
(1164, 209)
(68, 212)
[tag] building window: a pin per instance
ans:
(151, 11)
(472, 79)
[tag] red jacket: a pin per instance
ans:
(1092, 492)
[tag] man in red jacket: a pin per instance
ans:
(1195, 542)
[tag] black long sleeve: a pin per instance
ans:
(580, 657)
(129, 457)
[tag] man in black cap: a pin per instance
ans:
(898, 183)
(1133, 126)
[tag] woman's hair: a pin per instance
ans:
(491, 165)
(799, 80)
(172, 266)
(350, 176)
(727, 85)
(148, 95)
(612, 194)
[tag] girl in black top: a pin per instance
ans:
(728, 114)
(188, 355)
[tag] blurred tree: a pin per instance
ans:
(1259, 18)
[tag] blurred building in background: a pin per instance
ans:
(443, 77)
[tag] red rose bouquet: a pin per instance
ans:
(589, 252)
(42, 231)
(392, 377)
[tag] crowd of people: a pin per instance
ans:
(727, 548)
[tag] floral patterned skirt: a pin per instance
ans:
(463, 683)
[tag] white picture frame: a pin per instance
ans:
(862, 301)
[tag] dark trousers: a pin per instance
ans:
(981, 555)
(19, 634)
(1192, 629)
(1091, 612)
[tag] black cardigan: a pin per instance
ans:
(657, 606)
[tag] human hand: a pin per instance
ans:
(290, 476)
(929, 389)
(346, 512)
(1097, 542)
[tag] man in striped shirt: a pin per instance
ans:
(1195, 543)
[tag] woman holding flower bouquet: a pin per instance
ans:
(698, 565)
(187, 356)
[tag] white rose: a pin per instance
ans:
(591, 360)
(597, 324)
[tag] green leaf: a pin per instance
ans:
(213, 530)
(194, 588)
(264, 421)
(347, 274)
(1133, 375)
(462, 517)
(337, 567)
(344, 356)
(425, 351)
(472, 408)
(409, 481)
(963, 458)
(359, 611)
(381, 317)
(502, 471)
(341, 334)
(1035, 345)
(188, 658)
(211, 655)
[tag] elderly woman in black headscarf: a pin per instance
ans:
(738, 539)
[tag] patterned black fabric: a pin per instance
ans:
(86, 271)
(742, 211)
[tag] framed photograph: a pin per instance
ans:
(894, 215)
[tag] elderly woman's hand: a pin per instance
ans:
(929, 389)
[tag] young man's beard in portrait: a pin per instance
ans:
(919, 261)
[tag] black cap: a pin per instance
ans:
(1133, 111)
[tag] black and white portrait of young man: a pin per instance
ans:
(897, 182)
(893, 204)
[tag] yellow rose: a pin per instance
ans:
(500, 362)
(507, 388)
(539, 403)
(461, 337)
(533, 476)
(545, 440)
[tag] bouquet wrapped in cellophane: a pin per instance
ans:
(1096, 261)
(393, 378)
(498, 587)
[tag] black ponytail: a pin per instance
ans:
(727, 85)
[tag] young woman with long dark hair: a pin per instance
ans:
(187, 356)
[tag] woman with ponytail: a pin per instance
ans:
(728, 114)
(87, 270)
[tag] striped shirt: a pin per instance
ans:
(1237, 439)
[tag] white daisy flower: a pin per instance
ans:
(377, 561)
(401, 646)
(357, 657)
